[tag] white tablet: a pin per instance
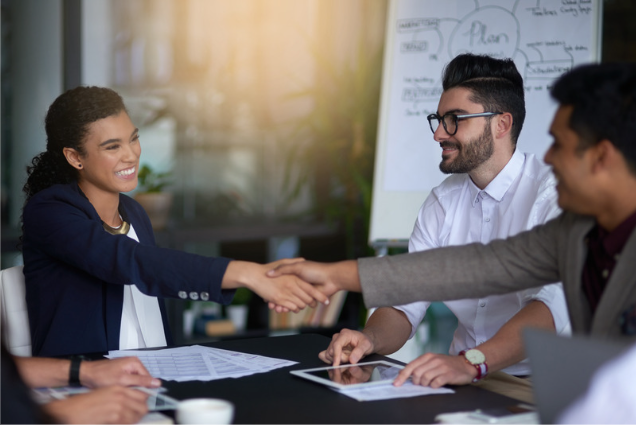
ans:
(353, 376)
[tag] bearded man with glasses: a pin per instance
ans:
(495, 191)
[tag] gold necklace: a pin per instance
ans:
(122, 229)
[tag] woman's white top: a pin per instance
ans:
(141, 322)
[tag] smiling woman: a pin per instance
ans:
(108, 163)
(95, 278)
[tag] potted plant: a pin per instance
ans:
(152, 196)
(238, 309)
(334, 144)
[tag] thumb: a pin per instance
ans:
(281, 270)
(140, 380)
(356, 355)
(285, 261)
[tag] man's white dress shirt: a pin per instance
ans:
(457, 212)
(141, 323)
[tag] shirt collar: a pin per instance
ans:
(498, 187)
(614, 241)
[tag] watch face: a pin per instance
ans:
(475, 357)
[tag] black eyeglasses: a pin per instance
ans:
(449, 120)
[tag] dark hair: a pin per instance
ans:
(66, 125)
(494, 83)
(603, 97)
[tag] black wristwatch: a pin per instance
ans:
(74, 372)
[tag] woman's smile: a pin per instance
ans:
(127, 173)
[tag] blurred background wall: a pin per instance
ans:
(260, 111)
(228, 95)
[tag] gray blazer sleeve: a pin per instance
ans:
(526, 260)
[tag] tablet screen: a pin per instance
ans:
(362, 374)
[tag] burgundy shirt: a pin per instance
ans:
(603, 251)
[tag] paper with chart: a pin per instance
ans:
(545, 38)
(201, 363)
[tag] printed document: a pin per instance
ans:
(201, 363)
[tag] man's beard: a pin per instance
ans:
(469, 156)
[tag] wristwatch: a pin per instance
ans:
(478, 360)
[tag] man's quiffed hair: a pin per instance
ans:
(495, 84)
(603, 97)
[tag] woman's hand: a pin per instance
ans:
(125, 371)
(327, 278)
(51, 372)
(285, 291)
(109, 405)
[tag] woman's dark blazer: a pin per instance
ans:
(75, 272)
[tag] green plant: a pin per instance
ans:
(242, 296)
(151, 181)
(335, 155)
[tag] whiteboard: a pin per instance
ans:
(545, 38)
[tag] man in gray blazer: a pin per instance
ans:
(590, 247)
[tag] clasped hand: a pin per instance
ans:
(318, 276)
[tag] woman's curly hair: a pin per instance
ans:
(66, 125)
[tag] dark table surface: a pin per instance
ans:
(277, 397)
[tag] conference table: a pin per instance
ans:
(278, 397)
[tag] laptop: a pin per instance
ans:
(562, 368)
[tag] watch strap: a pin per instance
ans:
(74, 372)
(483, 371)
(482, 368)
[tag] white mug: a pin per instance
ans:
(205, 411)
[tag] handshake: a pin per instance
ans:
(293, 284)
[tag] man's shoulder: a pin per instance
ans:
(535, 169)
(454, 182)
(568, 222)
(537, 182)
